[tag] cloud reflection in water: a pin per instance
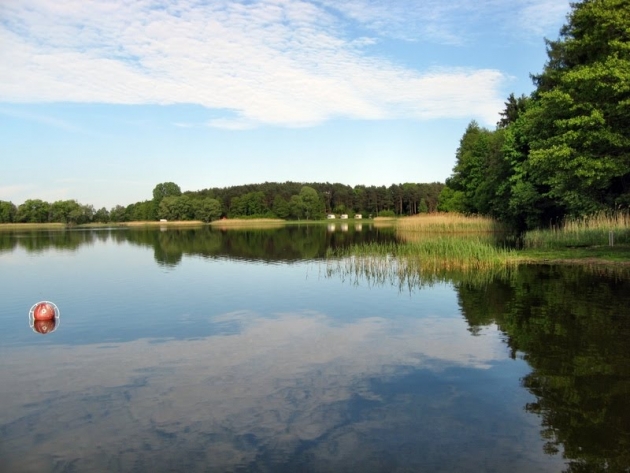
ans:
(287, 393)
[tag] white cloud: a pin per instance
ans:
(280, 62)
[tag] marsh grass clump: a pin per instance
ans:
(408, 274)
(433, 253)
(593, 230)
(448, 223)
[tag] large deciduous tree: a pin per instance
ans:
(33, 211)
(7, 212)
(579, 134)
(161, 191)
(314, 207)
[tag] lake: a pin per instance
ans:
(246, 350)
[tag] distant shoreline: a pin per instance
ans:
(227, 222)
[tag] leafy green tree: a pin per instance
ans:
(249, 205)
(166, 189)
(314, 207)
(423, 207)
(8, 211)
(81, 214)
(176, 208)
(208, 209)
(451, 200)
(65, 211)
(296, 207)
(480, 169)
(579, 134)
(281, 207)
(33, 211)
(118, 214)
(160, 191)
(514, 107)
(140, 211)
(101, 215)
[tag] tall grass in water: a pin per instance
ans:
(433, 253)
(447, 223)
(593, 230)
(407, 274)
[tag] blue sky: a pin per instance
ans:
(102, 100)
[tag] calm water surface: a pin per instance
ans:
(205, 350)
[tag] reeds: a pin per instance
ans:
(247, 223)
(408, 273)
(594, 230)
(448, 223)
(32, 226)
(433, 253)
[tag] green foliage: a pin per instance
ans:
(33, 211)
(565, 151)
(70, 212)
(386, 213)
(118, 214)
(7, 212)
(102, 215)
(140, 211)
(479, 172)
(207, 209)
(296, 207)
(166, 189)
(451, 200)
(313, 206)
(281, 207)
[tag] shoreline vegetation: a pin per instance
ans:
(442, 241)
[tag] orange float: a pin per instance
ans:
(44, 317)
(44, 311)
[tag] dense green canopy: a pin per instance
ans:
(565, 150)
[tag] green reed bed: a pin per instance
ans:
(432, 253)
(471, 260)
(408, 274)
(594, 230)
(448, 223)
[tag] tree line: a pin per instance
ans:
(564, 150)
(288, 200)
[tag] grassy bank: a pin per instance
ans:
(443, 242)
(247, 224)
(32, 226)
(474, 252)
(63, 226)
(596, 230)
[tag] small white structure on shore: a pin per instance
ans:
(344, 216)
(330, 216)
(163, 220)
(358, 216)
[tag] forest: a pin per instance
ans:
(564, 150)
(288, 200)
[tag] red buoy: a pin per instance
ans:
(44, 311)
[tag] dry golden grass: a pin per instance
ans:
(253, 223)
(32, 226)
(447, 222)
(174, 223)
(592, 230)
